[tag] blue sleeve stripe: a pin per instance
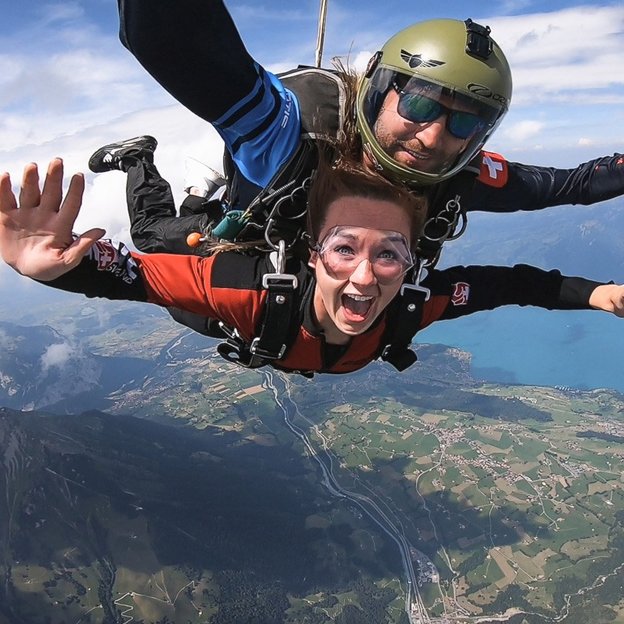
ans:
(262, 133)
(268, 121)
(248, 106)
(255, 96)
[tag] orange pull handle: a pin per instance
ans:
(194, 239)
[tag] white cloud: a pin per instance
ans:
(179, 133)
(513, 6)
(59, 95)
(56, 355)
(360, 61)
(563, 51)
(521, 131)
(60, 12)
(256, 13)
(61, 73)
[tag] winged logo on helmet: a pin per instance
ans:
(416, 60)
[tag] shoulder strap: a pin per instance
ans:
(321, 95)
(271, 343)
(405, 323)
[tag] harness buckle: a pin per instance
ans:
(256, 350)
(418, 288)
(415, 284)
(280, 277)
(235, 349)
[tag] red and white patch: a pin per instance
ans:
(105, 254)
(494, 170)
(461, 293)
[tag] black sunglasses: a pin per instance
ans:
(419, 108)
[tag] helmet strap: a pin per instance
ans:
(368, 150)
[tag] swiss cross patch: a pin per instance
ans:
(460, 295)
(494, 170)
(105, 254)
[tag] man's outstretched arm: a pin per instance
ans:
(192, 48)
(509, 186)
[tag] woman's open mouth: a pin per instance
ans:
(356, 307)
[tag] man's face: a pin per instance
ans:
(424, 146)
(370, 233)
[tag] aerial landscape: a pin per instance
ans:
(188, 489)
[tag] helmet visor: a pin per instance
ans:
(423, 126)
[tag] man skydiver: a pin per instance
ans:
(429, 100)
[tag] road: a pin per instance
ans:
(279, 385)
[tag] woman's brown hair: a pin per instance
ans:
(351, 178)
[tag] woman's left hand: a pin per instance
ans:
(609, 298)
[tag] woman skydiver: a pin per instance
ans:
(362, 232)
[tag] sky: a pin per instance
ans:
(67, 85)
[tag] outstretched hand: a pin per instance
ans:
(609, 298)
(36, 232)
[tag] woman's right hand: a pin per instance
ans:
(36, 236)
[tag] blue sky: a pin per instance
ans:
(67, 85)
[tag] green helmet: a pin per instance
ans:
(439, 69)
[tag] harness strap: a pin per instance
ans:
(405, 324)
(270, 344)
(282, 205)
(447, 219)
(271, 341)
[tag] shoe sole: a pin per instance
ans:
(97, 164)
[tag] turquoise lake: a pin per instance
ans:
(532, 346)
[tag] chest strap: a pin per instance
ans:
(405, 323)
(271, 341)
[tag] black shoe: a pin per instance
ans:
(110, 157)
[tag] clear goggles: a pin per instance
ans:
(344, 248)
